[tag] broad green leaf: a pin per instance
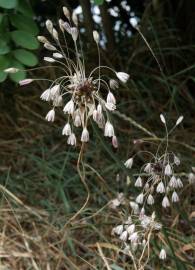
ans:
(25, 8)
(3, 23)
(24, 23)
(98, 2)
(4, 48)
(25, 40)
(1, 17)
(21, 75)
(25, 57)
(5, 37)
(4, 62)
(8, 3)
(3, 76)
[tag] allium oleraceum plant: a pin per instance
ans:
(136, 231)
(159, 182)
(89, 96)
(81, 95)
(158, 176)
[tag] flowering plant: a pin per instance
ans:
(82, 96)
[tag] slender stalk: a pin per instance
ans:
(82, 178)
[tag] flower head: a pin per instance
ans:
(81, 92)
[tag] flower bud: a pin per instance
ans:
(96, 36)
(66, 12)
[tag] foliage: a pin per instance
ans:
(98, 2)
(17, 36)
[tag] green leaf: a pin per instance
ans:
(25, 40)
(18, 76)
(25, 57)
(1, 17)
(24, 7)
(98, 2)
(3, 76)
(24, 23)
(8, 3)
(4, 62)
(4, 48)
(116, 267)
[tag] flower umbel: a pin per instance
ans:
(158, 178)
(80, 93)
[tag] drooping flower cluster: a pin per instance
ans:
(136, 233)
(82, 96)
(119, 200)
(158, 179)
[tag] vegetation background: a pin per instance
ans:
(40, 188)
